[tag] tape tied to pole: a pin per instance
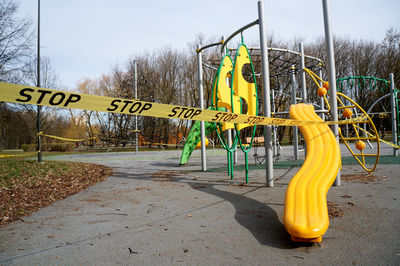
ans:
(55, 98)
(65, 139)
(18, 155)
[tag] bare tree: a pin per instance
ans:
(15, 40)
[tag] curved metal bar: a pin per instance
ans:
(255, 22)
(286, 51)
(209, 45)
(376, 102)
(210, 66)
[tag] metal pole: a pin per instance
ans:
(295, 131)
(202, 133)
(331, 74)
(136, 118)
(267, 99)
(303, 74)
(394, 114)
(321, 101)
(235, 151)
(39, 108)
(274, 144)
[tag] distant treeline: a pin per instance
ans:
(165, 76)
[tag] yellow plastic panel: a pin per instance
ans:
(242, 88)
(224, 91)
(306, 213)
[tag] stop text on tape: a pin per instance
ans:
(48, 97)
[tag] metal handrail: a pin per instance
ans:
(251, 24)
(209, 45)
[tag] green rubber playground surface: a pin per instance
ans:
(387, 159)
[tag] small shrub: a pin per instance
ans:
(28, 147)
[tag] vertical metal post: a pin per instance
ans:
(303, 74)
(230, 157)
(231, 137)
(136, 118)
(202, 133)
(321, 101)
(39, 108)
(267, 99)
(295, 131)
(235, 151)
(331, 74)
(394, 114)
(274, 144)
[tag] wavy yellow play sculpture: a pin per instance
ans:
(306, 213)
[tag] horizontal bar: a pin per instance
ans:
(361, 138)
(286, 113)
(366, 154)
(348, 106)
(284, 50)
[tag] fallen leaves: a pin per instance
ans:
(26, 186)
(363, 178)
(131, 251)
(334, 210)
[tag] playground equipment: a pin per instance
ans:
(306, 213)
(194, 137)
(240, 97)
(385, 107)
(349, 108)
(306, 216)
(198, 145)
(281, 59)
(305, 206)
(280, 62)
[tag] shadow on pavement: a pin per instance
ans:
(257, 217)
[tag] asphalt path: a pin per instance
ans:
(153, 212)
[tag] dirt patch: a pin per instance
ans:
(361, 178)
(334, 210)
(91, 200)
(164, 175)
(36, 186)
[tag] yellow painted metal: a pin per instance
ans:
(360, 157)
(306, 213)
(380, 140)
(313, 76)
(348, 106)
(243, 90)
(341, 98)
(359, 138)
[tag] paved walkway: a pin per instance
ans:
(152, 212)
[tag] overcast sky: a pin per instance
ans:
(84, 38)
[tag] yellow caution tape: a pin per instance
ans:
(66, 139)
(381, 140)
(17, 155)
(39, 96)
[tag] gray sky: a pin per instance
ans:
(84, 38)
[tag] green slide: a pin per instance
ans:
(194, 137)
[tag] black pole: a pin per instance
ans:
(38, 85)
